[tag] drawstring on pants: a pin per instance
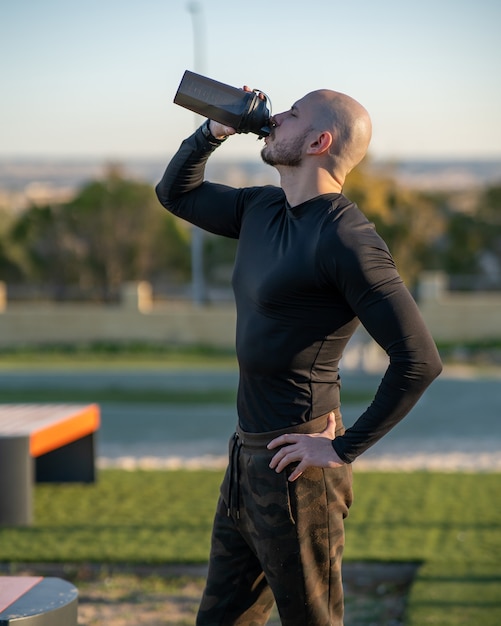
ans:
(234, 486)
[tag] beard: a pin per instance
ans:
(286, 153)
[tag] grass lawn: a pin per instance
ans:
(450, 523)
(456, 593)
(116, 355)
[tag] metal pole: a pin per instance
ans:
(197, 235)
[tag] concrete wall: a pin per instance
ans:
(453, 316)
(136, 319)
(450, 317)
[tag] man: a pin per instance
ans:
(309, 267)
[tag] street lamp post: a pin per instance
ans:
(197, 235)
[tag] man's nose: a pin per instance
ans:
(276, 119)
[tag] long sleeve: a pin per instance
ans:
(185, 171)
(377, 295)
(183, 191)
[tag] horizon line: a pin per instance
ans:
(164, 157)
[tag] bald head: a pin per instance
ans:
(349, 123)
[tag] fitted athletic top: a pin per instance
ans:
(304, 277)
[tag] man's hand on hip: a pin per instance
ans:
(313, 450)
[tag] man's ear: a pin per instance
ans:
(321, 144)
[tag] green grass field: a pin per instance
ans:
(450, 523)
(116, 355)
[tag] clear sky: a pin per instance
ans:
(97, 77)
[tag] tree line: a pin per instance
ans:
(114, 231)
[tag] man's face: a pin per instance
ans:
(290, 129)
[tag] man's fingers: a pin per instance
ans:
(286, 456)
(304, 449)
(296, 473)
(281, 459)
(282, 440)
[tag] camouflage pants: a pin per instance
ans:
(277, 541)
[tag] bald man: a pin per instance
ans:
(309, 268)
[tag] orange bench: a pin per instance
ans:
(37, 601)
(45, 443)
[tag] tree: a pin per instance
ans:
(471, 246)
(41, 243)
(407, 220)
(113, 231)
(10, 270)
(489, 225)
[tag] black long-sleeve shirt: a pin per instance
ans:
(304, 277)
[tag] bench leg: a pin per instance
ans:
(16, 480)
(72, 463)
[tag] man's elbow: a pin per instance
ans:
(162, 196)
(438, 367)
(434, 367)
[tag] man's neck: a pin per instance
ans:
(300, 184)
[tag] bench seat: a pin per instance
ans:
(48, 426)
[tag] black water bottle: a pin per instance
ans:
(245, 111)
